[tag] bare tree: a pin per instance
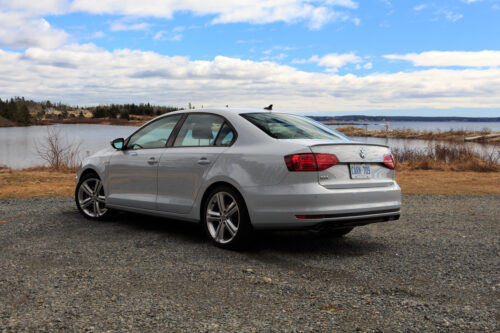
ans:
(57, 154)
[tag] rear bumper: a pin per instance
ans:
(312, 206)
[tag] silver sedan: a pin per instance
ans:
(239, 170)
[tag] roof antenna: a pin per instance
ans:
(270, 107)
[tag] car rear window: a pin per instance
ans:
(288, 126)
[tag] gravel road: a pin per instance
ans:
(436, 269)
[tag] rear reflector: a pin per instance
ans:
(310, 162)
(309, 216)
(389, 161)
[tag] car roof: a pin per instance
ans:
(221, 111)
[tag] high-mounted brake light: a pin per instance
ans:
(389, 161)
(310, 162)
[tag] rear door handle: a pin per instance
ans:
(203, 161)
(152, 161)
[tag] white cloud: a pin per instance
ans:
(123, 26)
(343, 3)
(484, 58)
(98, 34)
(333, 61)
(368, 65)
(316, 13)
(167, 35)
(277, 57)
(36, 7)
(420, 7)
(451, 16)
(86, 74)
(172, 35)
(19, 31)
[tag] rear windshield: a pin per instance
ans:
(288, 126)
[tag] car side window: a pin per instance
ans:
(199, 130)
(154, 135)
(226, 136)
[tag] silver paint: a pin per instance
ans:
(254, 165)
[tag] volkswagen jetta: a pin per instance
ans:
(238, 170)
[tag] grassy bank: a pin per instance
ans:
(134, 121)
(451, 135)
(451, 157)
(35, 182)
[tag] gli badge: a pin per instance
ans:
(362, 153)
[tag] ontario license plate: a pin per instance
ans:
(360, 171)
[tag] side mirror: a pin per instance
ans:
(118, 143)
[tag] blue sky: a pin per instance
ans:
(318, 56)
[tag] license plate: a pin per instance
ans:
(360, 171)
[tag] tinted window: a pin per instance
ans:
(287, 126)
(226, 136)
(154, 135)
(199, 130)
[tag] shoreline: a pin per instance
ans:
(487, 137)
(90, 121)
(449, 135)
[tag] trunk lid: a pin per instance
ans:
(360, 165)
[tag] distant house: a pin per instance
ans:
(52, 111)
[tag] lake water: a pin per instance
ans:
(428, 125)
(18, 144)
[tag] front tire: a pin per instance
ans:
(225, 219)
(90, 197)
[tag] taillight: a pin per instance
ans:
(310, 162)
(324, 161)
(389, 161)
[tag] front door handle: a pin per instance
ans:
(203, 161)
(152, 161)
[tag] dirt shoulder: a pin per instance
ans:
(43, 182)
(36, 183)
(448, 182)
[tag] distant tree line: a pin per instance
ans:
(26, 112)
(125, 110)
(16, 110)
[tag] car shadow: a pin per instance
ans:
(298, 242)
(353, 244)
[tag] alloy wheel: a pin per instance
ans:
(222, 217)
(91, 198)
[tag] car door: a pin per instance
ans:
(183, 166)
(133, 171)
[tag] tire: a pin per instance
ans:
(229, 227)
(90, 197)
(335, 233)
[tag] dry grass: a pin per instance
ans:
(136, 120)
(41, 181)
(36, 182)
(448, 182)
(452, 157)
(451, 135)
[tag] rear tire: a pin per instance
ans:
(335, 233)
(90, 197)
(225, 219)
